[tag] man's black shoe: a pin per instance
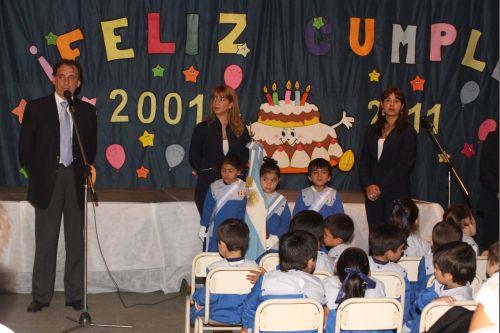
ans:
(77, 305)
(36, 306)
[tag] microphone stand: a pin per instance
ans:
(451, 168)
(85, 319)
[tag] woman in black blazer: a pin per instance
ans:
(388, 157)
(222, 133)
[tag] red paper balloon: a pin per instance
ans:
(233, 76)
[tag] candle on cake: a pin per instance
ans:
(268, 96)
(275, 95)
(288, 92)
(297, 93)
(304, 95)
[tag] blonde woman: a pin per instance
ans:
(223, 132)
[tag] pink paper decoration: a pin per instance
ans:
(115, 154)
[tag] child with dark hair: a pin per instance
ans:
(442, 233)
(387, 243)
(405, 215)
(294, 279)
(278, 214)
(455, 268)
(319, 197)
(312, 222)
(225, 199)
(352, 279)
(462, 216)
(233, 236)
(339, 230)
(493, 264)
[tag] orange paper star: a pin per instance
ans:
(142, 172)
(191, 74)
(417, 83)
(19, 110)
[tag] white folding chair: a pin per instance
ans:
(223, 280)
(198, 270)
(410, 264)
(322, 274)
(435, 310)
(394, 285)
(282, 315)
(270, 261)
(369, 314)
(481, 264)
(475, 284)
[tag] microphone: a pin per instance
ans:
(425, 123)
(69, 97)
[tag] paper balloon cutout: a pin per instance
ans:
(469, 92)
(233, 76)
(487, 126)
(115, 154)
(346, 161)
(174, 154)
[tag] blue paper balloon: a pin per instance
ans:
(469, 92)
(174, 154)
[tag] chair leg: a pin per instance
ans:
(187, 322)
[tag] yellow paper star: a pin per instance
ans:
(147, 139)
(243, 49)
(374, 76)
(441, 158)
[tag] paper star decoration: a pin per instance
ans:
(19, 110)
(23, 172)
(318, 22)
(158, 71)
(90, 100)
(468, 150)
(417, 83)
(441, 158)
(142, 172)
(191, 74)
(374, 76)
(243, 49)
(147, 139)
(51, 38)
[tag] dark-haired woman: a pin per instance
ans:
(388, 157)
(222, 133)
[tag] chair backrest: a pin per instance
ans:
(481, 264)
(394, 284)
(322, 274)
(369, 314)
(475, 284)
(270, 261)
(435, 310)
(226, 280)
(282, 315)
(200, 264)
(410, 264)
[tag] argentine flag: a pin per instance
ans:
(256, 211)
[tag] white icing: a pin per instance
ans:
(288, 109)
(320, 152)
(300, 159)
(282, 158)
(279, 135)
(335, 150)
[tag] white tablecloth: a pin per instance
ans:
(147, 246)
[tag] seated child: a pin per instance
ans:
(294, 279)
(405, 215)
(486, 318)
(462, 216)
(233, 237)
(225, 199)
(278, 213)
(442, 233)
(339, 230)
(455, 268)
(387, 243)
(312, 222)
(319, 197)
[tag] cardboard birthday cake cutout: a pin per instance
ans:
(290, 131)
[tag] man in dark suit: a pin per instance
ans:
(49, 150)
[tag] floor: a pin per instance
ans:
(106, 308)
